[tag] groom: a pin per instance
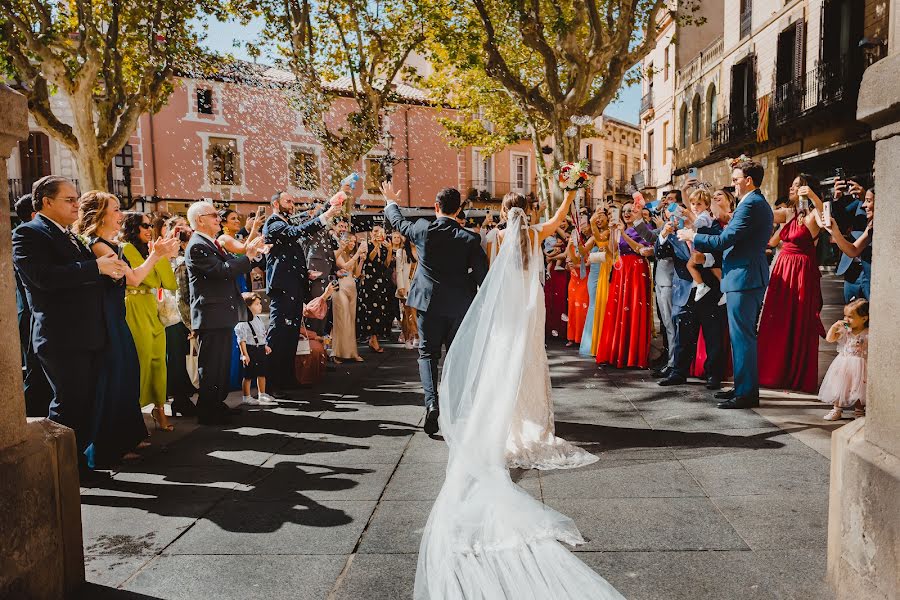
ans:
(745, 276)
(452, 265)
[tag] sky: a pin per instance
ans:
(221, 36)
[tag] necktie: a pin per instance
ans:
(74, 239)
(219, 246)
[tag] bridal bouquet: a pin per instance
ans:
(573, 175)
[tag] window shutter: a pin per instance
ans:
(800, 52)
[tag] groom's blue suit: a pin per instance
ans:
(451, 266)
(745, 276)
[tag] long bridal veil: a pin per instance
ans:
(486, 538)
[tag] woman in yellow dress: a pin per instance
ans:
(142, 316)
(601, 260)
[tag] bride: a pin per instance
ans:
(486, 538)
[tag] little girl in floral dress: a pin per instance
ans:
(844, 385)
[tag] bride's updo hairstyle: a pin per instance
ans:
(512, 201)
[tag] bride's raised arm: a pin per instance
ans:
(549, 228)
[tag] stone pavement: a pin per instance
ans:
(327, 497)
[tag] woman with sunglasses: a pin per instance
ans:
(625, 338)
(142, 315)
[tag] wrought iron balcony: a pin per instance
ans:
(828, 84)
(489, 190)
(647, 101)
(15, 191)
(734, 129)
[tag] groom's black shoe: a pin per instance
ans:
(740, 402)
(431, 420)
(661, 373)
(672, 379)
(725, 395)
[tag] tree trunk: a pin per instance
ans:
(91, 172)
(91, 167)
(565, 149)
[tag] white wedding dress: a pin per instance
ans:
(486, 538)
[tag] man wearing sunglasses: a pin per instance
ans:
(62, 280)
(745, 276)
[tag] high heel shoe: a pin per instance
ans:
(157, 420)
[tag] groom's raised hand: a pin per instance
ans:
(390, 194)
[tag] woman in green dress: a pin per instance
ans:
(141, 313)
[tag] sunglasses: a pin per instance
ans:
(145, 225)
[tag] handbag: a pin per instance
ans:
(303, 348)
(192, 363)
(167, 307)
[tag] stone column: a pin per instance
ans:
(864, 502)
(41, 553)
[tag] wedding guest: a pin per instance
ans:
(578, 295)
(844, 385)
(178, 381)
(556, 290)
(856, 260)
(349, 259)
(37, 389)
(322, 267)
(790, 325)
(625, 339)
(600, 260)
(376, 293)
(228, 239)
(251, 340)
(745, 277)
(142, 314)
(119, 422)
(404, 267)
(287, 284)
(62, 281)
(310, 366)
(216, 307)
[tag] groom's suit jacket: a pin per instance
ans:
(743, 243)
(452, 263)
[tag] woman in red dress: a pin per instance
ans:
(555, 290)
(579, 298)
(790, 326)
(625, 339)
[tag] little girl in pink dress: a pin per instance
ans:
(844, 385)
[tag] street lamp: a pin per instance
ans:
(389, 159)
(125, 161)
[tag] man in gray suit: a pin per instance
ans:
(216, 306)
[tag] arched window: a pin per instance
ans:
(683, 131)
(712, 107)
(696, 119)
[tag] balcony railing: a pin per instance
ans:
(698, 66)
(734, 129)
(827, 84)
(595, 167)
(489, 190)
(15, 190)
(647, 101)
(712, 53)
(746, 22)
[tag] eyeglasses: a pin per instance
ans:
(68, 199)
(145, 225)
(212, 214)
(736, 179)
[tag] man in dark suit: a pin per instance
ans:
(287, 284)
(61, 279)
(216, 307)
(452, 265)
(744, 279)
(689, 315)
(37, 388)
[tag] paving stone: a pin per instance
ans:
(416, 481)
(712, 575)
(396, 527)
(294, 479)
(628, 524)
(124, 531)
(423, 448)
(621, 479)
(221, 577)
(344, 450)
(379, 577)
(295, 526)
(783, 522)
(746, 473)
(112, 570)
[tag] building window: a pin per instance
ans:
(623, 167)
(637, 165)
(589, 152)
(695, 119)
(303, 170)
(665, 141)
(667, 65)
(204, 101)
(608, 167)
(374, 174)
(224, 161)
(683, 127)
(712, 109)
(520, 173)
(746, 18)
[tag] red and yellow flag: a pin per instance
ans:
(762, 130)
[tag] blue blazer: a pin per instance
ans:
(62, 287)
(452, 264)
(743, 244)
(682, 282)
(286, 269)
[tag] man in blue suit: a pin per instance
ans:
(452, 265)
(745, 277)
(61, 278)
(287, 284)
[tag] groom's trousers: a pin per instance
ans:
(435, 332)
